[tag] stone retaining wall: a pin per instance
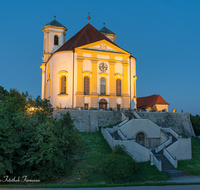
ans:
(90, 120)
(179, 122)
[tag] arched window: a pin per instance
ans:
(103, 86)
(63, 85)
(56, 40)
(118, 87)
(86, 85)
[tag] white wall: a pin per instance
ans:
(181, 149)
(59, 62)
(141, 125)
(138, 152)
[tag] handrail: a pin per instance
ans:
(126, 123)
(121, 134)
(165, 133)
(174, 133)
(123, 115)
(163, 145)
(166, 129)
(172, 144)
(157, 163)
(136, 115)
(122, 123)
(170, 158)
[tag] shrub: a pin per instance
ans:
(119, 165)
(195, 120)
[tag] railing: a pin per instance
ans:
(157, 163)
(111, 130)
(107, 136)
(169, 130)
(121, 135)
(123, 117)
(126, 123)
(136, 115)
(163, 145)
(174, 133)
(122, 123)
(170, 158)
(166, 135)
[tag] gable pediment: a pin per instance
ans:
(105, 46)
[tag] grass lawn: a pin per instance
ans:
(88, 169)
(192, 166)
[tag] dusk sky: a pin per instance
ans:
(163, 35)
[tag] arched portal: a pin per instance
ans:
(140, 139)
(103, 104)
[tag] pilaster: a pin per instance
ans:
(125, 78)
(112, 78)
(80, 76)
(94, 77)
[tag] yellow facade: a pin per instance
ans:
(97, 60)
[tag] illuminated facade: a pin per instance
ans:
(88, 71)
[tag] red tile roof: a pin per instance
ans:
(86, 35)
(145, 102)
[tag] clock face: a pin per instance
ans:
(103, 67)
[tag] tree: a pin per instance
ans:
(35, 145)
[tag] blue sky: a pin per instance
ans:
(163, 35)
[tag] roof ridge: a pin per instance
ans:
(80, 31)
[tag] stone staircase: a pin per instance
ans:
(167, 167)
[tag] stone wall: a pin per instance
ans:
(179, 122)
(90, 120)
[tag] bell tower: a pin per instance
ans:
(108, 33)
(54, 37)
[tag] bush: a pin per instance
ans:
(119, 165)
(195, 120)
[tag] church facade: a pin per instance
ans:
(88, 71)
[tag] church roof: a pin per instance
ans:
(145, 102)
(55, 23)
(86, 35)
(106, 30)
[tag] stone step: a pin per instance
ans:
(175, 173)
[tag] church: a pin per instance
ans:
(88, 71)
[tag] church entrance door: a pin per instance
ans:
(103, 104)
(140, 139)
(118, 107)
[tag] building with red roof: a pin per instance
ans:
(152, 103)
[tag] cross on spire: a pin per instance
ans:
(88, 17)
